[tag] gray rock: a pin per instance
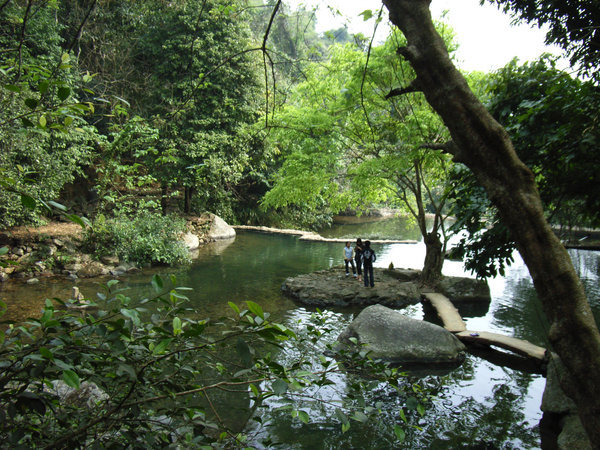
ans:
(110, 260)
(4, 277)
(391, 336)
(463, 289)
(332, 288)
(191, 241)
(18, 251)
(88, 395)
(219, 229)
(554, 399)
(573, 435)
(58, 242)
(33, 281)
(403, 274)
(92, 269)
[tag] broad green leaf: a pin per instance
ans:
(13, 88)
(43, 86)
(303, 416)
(255, 309)
(65, 58)
(359, 416)
(244, 351)
(400, 433)
(57, 205)
(345, 426)
(162, 346)
(176, 326)
(46, 353)
(126, 369)
(28, 201)
(31, 103)
(254, 389)
(157, 283)
(3, 250)
(231, 305)
(367, 14)
(63, 93)
(279, 386)
(42, 121)
(421, 409)
(131, 314)
(71, 378)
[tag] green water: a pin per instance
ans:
(478, 404)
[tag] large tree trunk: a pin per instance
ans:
(434, 259)
(484, 146)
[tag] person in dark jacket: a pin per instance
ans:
(358, 249)
(368, 258)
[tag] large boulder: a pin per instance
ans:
(191, 241)
(219, 229)
(332, 288)
(391, 336)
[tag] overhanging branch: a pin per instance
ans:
(414, 86)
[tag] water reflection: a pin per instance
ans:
(476, 404)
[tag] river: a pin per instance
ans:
(480, 404)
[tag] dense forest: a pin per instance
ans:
(144, 113)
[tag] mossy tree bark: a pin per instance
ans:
(484, 146)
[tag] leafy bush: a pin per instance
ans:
(147, 238)
(160, 378)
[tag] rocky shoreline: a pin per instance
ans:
(56, 250)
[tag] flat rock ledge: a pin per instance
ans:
(332, 288)
(395, 288)
(390, 336)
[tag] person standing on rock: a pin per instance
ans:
(368, 258)
(349, 258)
(358, 249)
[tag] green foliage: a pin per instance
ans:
(552, 120)
(146, 238)
(572, 25)
(160, 375)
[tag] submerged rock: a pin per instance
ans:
(332, 288)
(391, 336)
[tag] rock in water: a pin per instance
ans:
(391, 336)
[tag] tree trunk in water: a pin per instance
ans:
(484, 146)
(434, 259)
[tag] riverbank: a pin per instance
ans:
(56, 250)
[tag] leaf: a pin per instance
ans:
(46, 353)
(42, 121)
(244, 351)
(360, 416)
(421, 409)
(399, 432)
(43, 86)
(63, 93)
(367, 14)
(71, 378)
(131, 314)
(162, 346)
(176, 326)
(412, 403)
(3, 250)
(13, 88)
(65, 58)
(28, 201)
(157, 283)
(279, 386)
(126, 369)
(255, 309)
(31, 103)
(57, 205)
(345, 427)
(231, 305)
(303, 416)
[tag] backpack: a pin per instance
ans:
(367, 254)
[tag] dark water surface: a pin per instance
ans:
(480, 404)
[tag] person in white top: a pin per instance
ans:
(349, 259)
